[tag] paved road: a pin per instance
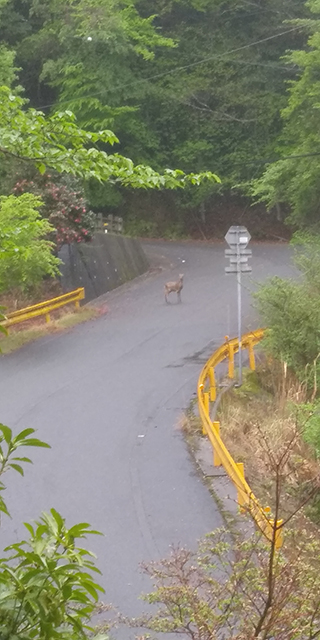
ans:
(94, 392)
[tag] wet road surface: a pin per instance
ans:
(108, 397)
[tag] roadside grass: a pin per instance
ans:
(17, 299)
(190, 425)
(19, 336)
(259, 422)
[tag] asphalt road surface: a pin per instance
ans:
(108, 397)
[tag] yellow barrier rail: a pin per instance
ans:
(44, 308)
(207, 393)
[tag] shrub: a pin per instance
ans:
(291, 311)
(309, 422)
(64, 207)
(25, 253)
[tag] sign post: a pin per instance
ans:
(238, 238)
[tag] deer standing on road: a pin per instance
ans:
(174, 287)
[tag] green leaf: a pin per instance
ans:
(16, 467)
(59, 520)
(3, 507)
(34, 442)
(23, 434)
(91, 589)
(83, 529)
(41, 168)
(7, 433)
(29, 527)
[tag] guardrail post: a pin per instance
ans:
(206, 401)
(213, 388)
(207, 409)
(278, 531)
(216, 458)
(252, 362)
(204, 433)
(279, 534)
(231, 361)
(241, 500)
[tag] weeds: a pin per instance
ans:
(257, 423)
(18, 338)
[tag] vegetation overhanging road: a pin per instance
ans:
(108, 396)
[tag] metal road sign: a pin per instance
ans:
(237, 235)
(233, 268)
(238, 260)
(234, 252)
(238, 238)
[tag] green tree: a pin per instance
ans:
(290, 310)
(219, 104)
(25, 253)
(294, 182)
(158, 74)
(56, 141)
(100, 44)
(8, 71)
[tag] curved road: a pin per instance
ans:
(108, 396)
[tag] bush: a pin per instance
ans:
(307, 257)
(63, 206)
(291, 311)
(309, 422)
(25, 253)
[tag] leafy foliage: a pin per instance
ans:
(25, 253)
(57, 142)
(2, 318)
(46, 585)
(236, 590)
(65, 209)
(96, 32)
(294, 181)
(291, 311)
(309, 420)
(181, 83)
(292, 316)
(204, 115)
(8, 458)
(7, 69)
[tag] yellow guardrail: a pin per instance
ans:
(207, 393)
(44, 308)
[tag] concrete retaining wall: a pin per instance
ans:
(102, 264)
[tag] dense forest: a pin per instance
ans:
(228, 86)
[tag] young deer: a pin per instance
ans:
(171, 287)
